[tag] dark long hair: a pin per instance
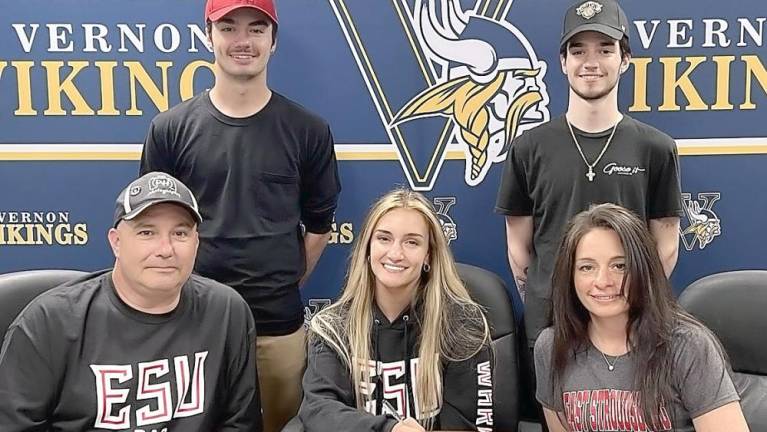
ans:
(653, 311)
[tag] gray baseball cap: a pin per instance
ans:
(603, 16)
(150, 189)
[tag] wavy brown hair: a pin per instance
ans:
(653, 313)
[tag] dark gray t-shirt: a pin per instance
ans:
(594, 398)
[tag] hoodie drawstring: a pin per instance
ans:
(408, 381)
(379, 379)
(379, 396)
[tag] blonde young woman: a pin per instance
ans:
(622, 355)
(404, 348)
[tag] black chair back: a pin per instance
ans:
(19, 288)
(733, 305)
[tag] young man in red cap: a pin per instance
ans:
(593, 154)
(264, 171)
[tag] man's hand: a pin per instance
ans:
(408, 425)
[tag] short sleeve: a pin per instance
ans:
(154, 156)
(27, 379)
(513, 194)
(544, 391)
(664, 194)
(700, 373)
(320, 184)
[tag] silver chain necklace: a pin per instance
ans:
(590, 175)
(610, 366)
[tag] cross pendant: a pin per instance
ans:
(590, 175)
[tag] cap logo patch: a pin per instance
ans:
(589, 9)
(163, 185)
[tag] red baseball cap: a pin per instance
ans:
(216, 9)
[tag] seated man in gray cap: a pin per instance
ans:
(145, 346)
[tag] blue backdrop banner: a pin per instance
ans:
(81, 79)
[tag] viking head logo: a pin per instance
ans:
(492, 86)
(704, 224)
(314, 305)
(589, 9)
(449, 227)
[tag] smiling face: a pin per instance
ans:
(600, 265)
(593, 65)
(399, 248)
(155, 251)
(243, 42)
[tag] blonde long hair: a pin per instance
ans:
(453, 326)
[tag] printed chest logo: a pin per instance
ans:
(614, 168)
(391, 377)
(394, 390)
(609, 410)
(152, 385)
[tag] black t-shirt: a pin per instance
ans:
(545, 177)
(81, 359)
(257, 180)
